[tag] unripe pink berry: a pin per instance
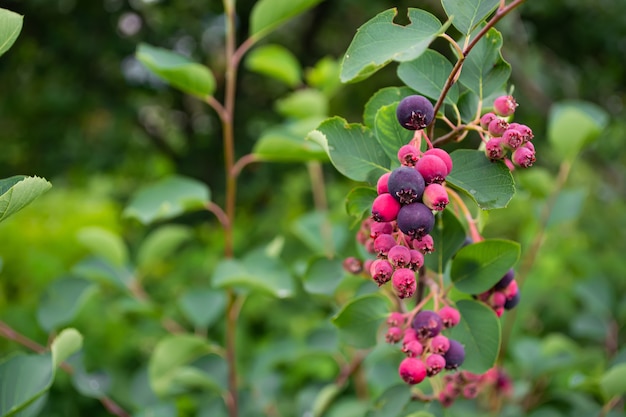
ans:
(530, 146)
(403, 281)
(399, 256)
(412, 370)
(494, 148)
(432, 168)
(434, 364)
(424, 244)
(504, 105)
(435, 197)
(497, 299)
(523, 157)
(368, 264)
(525, 131)
(380, 228)
(409, 336)
(497, 127)
(470, 391)
(383, 243)
(395, 318)
(385, 208)
(381, 271)
(512, 138)
(439, 344)
(511, 290)
(408, 155)
(381, 184)
(450, 316)
(417, 259)
(394, 335)
(413, 348)
(486, 119)
(445, 157)
(352, 265)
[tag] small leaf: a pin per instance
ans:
(275, 61)
(267, 15)
(427, 74)
(18, 191)
(203, 306)
(161, 244)
(10, 27)
(324, 76)
(390, 134)
(62, 300)
(104, 243)
(316, 230)
(359, 319)
(359, 201)
(179, 71)
(64, 345)
(467, 15)
(352, 148)
(303, 104)
(380, 41)
(168, 198)
(391, 402)
(99, 270)
(479, 266)
(323, 275)
(488, 183)
(448, 236)
(480, 334)
(287, 143)
(485, 71)
(383, 97)
(613, 382)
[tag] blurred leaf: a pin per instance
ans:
(323, 275)
(168, 198)
(485, 71)
(324, 76)
(92, 385)
(287, 143)
(380, 41)
(179, 71)
(383, 97)
(568, 206)
(574, 124)
(479, 266)
(104, 243)
(161, 244)
(99, 270)
(488, 183)
(158, 410)
(275, 61)
(466, 15)
(62, 300)
(359, 319)
(480, 334)
(256, 271)
(303, 104)
(596, 295)
(317, 231)
(324, 399)
(352, 148)
(10, 28)
(613, 382)
(202, 306)
(267, 15)
(448, 236)
(389, 133)
(18, 191)
(391, 402)
(169, 370)
(359, 202)
(65, 344)
(427, 74)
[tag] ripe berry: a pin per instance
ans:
(427, 324)
(435, 197)
(523, 157)
(399, 256)
(497, 127)
(504, 105)
(415, 220)
(385, 208)
(403, 281)
(417, 259)
(415, 112)
(450, 316)
(381, 184)
(512, 138)
(505, 280)
(412, 370)
(394, 335)
(406, 185)
(512, 302)
(424, 244)
(408, 155)
(486, 119)
(439, 344)
(494, 148)
(445, 157)
(381, 271)
(434, 364)
(382, 245)
(432, 168)
(455, 355)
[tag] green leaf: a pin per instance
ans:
(256, 271)
(485, 71)
(169, 370)
(62, 300)
(10, 28)
(468, 106)
(180, 72)
(323, 275)
(161, 244)
(275, 61)
(316, 230)
(324, 76)
(574, 124)
(287, 143)
(488, 183)
(267, 15)
(479, 266)
(359, 201)
(467, 15)
(104, 243)
(391, 402)
(448, 236)
(303, 104)
(18, 191)
(168, 198)
(390, 134)
(202, 306)
(99, 270)
(352, 148)
(427, 74)
(380, 41)
(613, 382)
(64, 345)
(383, 97)
(480, 334)
(359, 319)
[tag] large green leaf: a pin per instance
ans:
(18, 191)
(427, 74)
(267, 15)
(303, 104)
(613, 382)
(479, 266)
(448, 236)
(466, 15)
(203, 306)
(352, 148)
(287, 143)
(26, 378)
(390, 134)
(277, 62)
(485, 71)
(359, 319)
(102, 271)
(383, 97)
(62, 300)
(380, 41)
(391, 402)
(104, 243)
(488, 183)
(480, 334)
(10, 28)
(179, 71)
(168, 198)
(323, 275)
(573, 125)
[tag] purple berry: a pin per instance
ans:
(412, 370)
(381, 271)
(403, 281)
(406, 184)
(385, 208)
(399, 256)
(415, 220)
(486, 119)
(381, 184)
(512, 302)
(434, 364)
(523, 157)
(445, 157)
(505, 280)
(497, 127)
(455, 355)
(415, 112)
(408, 155)
(504, 105)
(383, 243)
(427, 324)
(435, 197)
(432, 168)
(450, 316)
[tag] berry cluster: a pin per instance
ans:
(504, 295)
(468, 385)
(502, 137)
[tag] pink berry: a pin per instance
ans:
(383, 243)
(381, 271)
(497, 127)
(504, 105)
(434, 364)
(450, 316)
(424, 244)
(399, 256)
(470, 391)
(381, 184)
(403, 281)
(432, 168)
(512, 138)
(352, 265)
(385, 208)
(394, 335)
(497, 299)
(494, 148)
(417, 259)
(486, 119)
(439, 344)
(435, 197)
(525, 131)
(523, 157)
(427, 324)
(409, 336)
(445, 157)
(408, 155)
(395, 319)
(413, 349)
(412, 370)
(380, 228)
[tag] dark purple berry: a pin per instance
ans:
(512, 302)
(427, 324)
(415, 220)
(406, 184)
(455, 355)
(385, 208)
(505, 280)
(415, 112)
